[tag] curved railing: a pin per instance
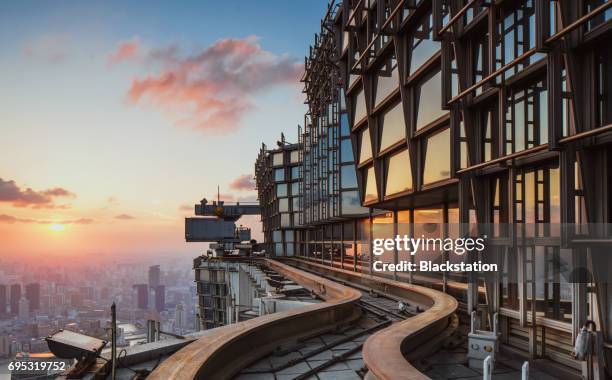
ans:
(226, 350)
(388, 352)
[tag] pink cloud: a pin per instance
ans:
(243, 182)
(49, 48)
(126, 50)
(213, 89)
(18, 197)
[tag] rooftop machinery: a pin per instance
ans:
(218, 226)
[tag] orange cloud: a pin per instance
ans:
(18, 197)
(124, 217)
(243, 182)
(213, 89)
(126, 50)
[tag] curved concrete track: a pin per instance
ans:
(387, 353)
(223, 353)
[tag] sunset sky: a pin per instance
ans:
(116, 117)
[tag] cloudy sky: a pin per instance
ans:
(116, 117)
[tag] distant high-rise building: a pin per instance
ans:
(32, 293)
(154, 276)
(5, 344)
(3, 299)
(142, 296)
(179, 318)
(160, 298)
(24, 308)
(14, 299)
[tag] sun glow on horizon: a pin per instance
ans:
(57, 227)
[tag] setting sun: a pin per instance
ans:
(57, 227)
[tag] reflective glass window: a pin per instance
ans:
(295, 156)
(345, 129)
(277, 159)
(350, 202)
(283, 205)
(366, 146)
(279, 175)
(295, 172)
(437, 158)
(348, 176)
(393, 126)
(423, 45)
(387, 80)
(371, 192)
(399, 176)
(428, 99)
(360, 106)
(281, 190)
(346, 151)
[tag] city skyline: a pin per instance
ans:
(110, 112)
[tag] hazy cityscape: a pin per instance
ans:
(37, 299)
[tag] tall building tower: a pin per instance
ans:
(179, 318)
(14, 299)
(160, 298)
(32, 293)
(5, 344)
(141, 296)
(154, 276)
(3, 300)
(24, 308)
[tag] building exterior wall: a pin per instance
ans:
(497, 116)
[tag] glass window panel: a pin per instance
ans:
(360, 106)
(281, 190)
(346, 151)
(348, 176)
(519, 125)
(423, 46)
(399, 176)
(429, 100)
(544, 117)
(277, 159)
(296, 203)
(371, 192)
(393, 126)
(387, 80)
(350, 203)
(285, 220)
(345, 129)
(366, 146)
(295, 172)
(555, 196)
(295, 188)
(283, 205)
(277, 236)
(279, 175)
(295, 156)
(289, 236)
(437, 159)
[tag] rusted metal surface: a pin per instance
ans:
(228, 349)
(386, 353)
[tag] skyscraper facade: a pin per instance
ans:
(32, 294)
(497, 116)
(15, 296)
